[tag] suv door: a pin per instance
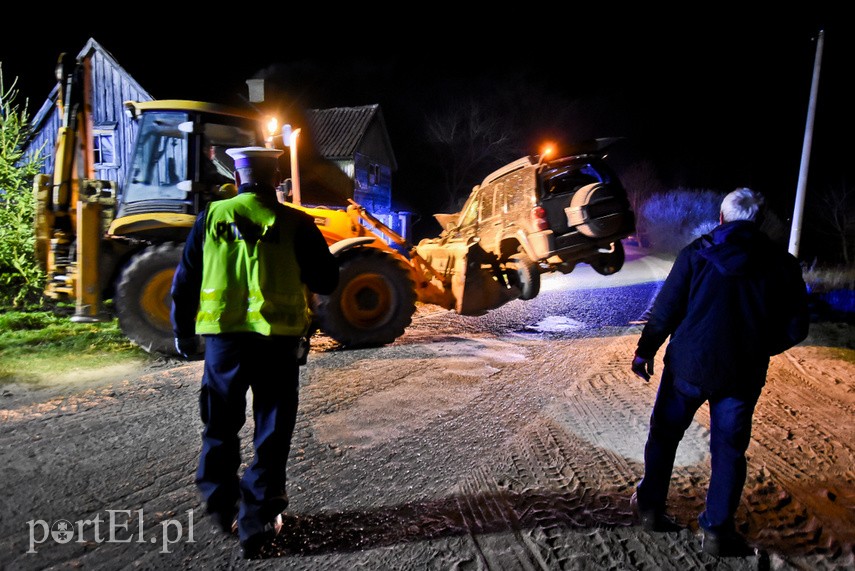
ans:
(491, 222)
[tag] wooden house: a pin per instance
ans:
(355, 139)
(113, 132)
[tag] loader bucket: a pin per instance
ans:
(471, 275)
(479, 284)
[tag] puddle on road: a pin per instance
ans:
(555, 324)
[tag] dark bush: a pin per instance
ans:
(675, 218)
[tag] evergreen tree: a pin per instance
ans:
(21, 278)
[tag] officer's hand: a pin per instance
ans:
(188, 347)
(642, 367)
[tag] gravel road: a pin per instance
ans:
(460, 446)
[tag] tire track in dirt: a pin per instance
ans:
(806, 457)
(571, 474)
(569, 493)
(92, 452)
(566, 514)
(610, 408)
(832, 384)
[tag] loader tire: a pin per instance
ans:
(373, 303)
(143, 300)
(524, 274)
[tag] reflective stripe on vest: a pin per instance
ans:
(250, 276)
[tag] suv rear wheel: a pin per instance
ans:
(524, 274)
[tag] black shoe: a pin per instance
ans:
(254, 546)
(225, 521)
(651, 519)
(725, 544)
(223, 517)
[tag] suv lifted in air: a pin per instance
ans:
(536, 215)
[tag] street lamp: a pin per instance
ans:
(272, 127)
(289, 138)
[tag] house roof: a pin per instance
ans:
(91, 46)
(338, 131)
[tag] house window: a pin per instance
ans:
(373, 174)
(103, 147)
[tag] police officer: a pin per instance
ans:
(243, 282)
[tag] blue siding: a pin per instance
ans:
(110, 86)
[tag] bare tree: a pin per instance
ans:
(495, 123)
(835, 209)
(501, 121)
(641, 182)
(469, 141)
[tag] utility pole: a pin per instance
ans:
(798, 210)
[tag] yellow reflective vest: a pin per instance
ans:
(250, 276)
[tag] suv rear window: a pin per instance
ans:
(570, 178)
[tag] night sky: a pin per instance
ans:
(715, 99)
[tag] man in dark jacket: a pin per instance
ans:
(243, 282)
(732, 300)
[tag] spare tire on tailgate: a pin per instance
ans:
(598, 210)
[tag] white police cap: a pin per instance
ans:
(244, 156)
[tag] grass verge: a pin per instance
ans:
(36, 346)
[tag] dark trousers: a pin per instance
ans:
(235, 363)
(676, 403)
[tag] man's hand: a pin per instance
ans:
(188, 347)
(642, 367)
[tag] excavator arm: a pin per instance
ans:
(69, 203)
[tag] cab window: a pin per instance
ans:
(159, 159)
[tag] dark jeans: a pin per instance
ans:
(235, 363)
(676, 403)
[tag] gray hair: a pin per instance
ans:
(742, 204)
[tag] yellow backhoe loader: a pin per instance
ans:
(98, 242)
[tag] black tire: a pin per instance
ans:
(524, 274)
(143, 300)
(373, 303)
(610, 263)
